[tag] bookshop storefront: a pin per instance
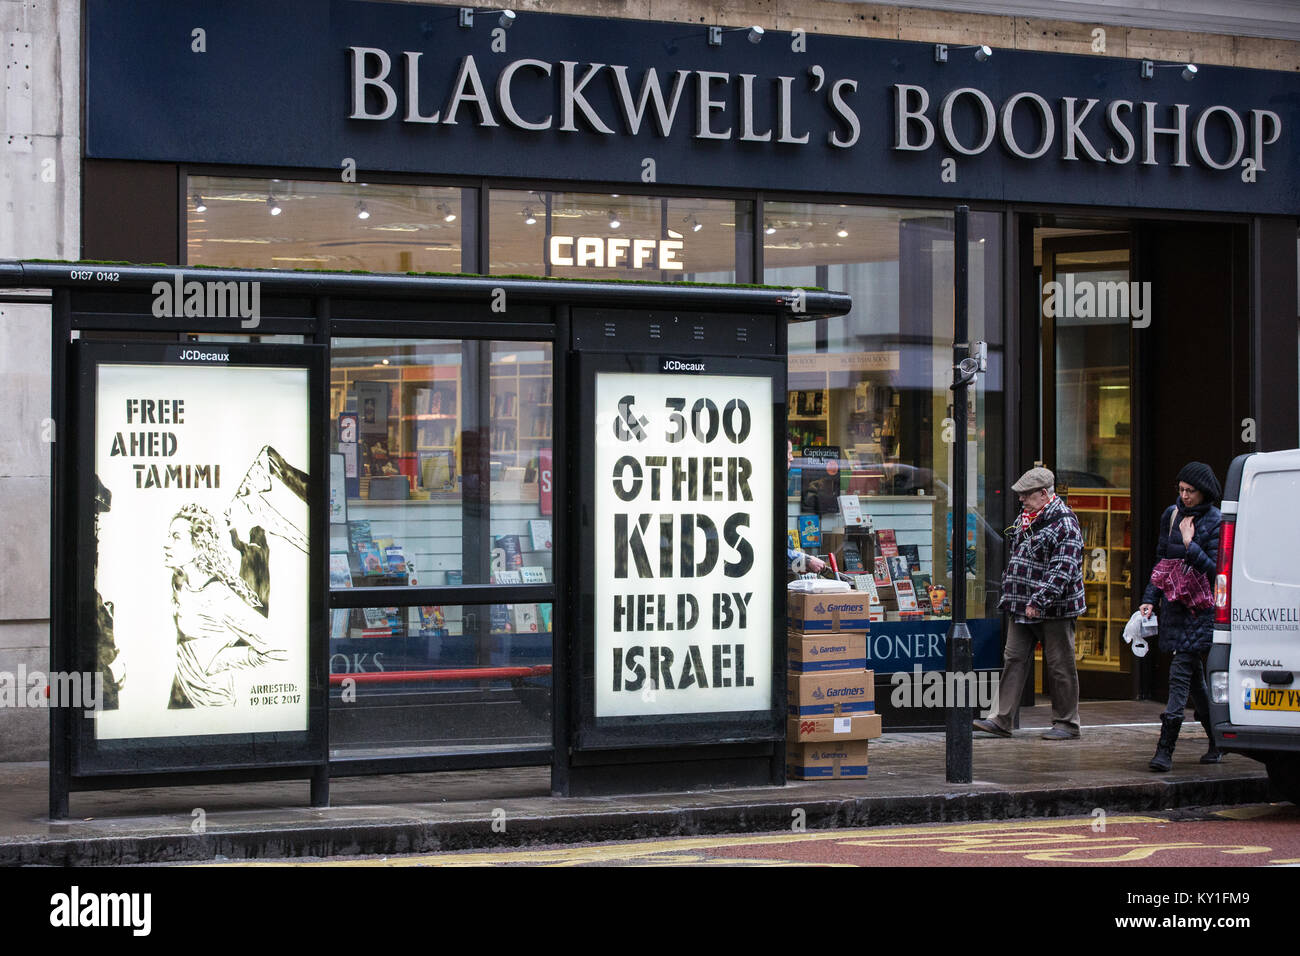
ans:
(395, 139)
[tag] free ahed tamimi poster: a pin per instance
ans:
(201, 549)
(684, 544)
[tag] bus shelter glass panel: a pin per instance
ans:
(521, 470)
(418, 680)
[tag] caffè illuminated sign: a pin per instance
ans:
(614, 252)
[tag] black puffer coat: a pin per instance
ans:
(1182, 629)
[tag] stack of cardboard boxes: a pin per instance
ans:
(831, 694)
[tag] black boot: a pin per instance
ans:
(1164, 758)
(1213, 754)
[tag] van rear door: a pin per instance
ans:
(1264, 666)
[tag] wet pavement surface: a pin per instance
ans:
(1018, 777)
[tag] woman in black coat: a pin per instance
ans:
(1189, 535)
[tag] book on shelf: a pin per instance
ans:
(793, 535)
(880, 571)
(906, 595)
(810, 531)
(525, 619)
(921, 584)
(358, 534)
(372, 560)
(539, 533)
(867, 585)
(340, 572)
(913, 554)
(395, 559)
(851, 509)
(499, 617)
(455, 579)
(899, 569)
(852, 558)
(432, 621)
(511, 549)
(544, 616)
(938, 599)
(533, 575)
(887, 541)
(376, 617)
(508, 577)
(339, 618)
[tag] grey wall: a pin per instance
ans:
(40, 196)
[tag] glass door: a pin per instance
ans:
(1088, 307)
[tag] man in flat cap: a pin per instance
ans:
(1042, 591)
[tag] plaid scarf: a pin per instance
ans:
(1028, 517)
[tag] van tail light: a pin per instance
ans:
(1223, 576)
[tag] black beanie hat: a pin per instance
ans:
(1201, 477)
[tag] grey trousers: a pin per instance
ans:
(1057, 635)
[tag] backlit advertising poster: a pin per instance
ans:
(202, 478)
(683, 543)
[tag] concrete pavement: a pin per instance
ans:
(1019, 777)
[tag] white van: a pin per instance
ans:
(1254, 664)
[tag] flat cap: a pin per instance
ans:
(1034, 479)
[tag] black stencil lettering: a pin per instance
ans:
(656, 464)
(739, 568)
(676, 419)
(666, 548)
(705, 523)
(623, 543)
(666, 667)
(739, 435)
(710, 430)
(618, 668)
(620, 487)
(634, 655)
(738, 472)
(686, 537)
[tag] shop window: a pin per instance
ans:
(608, 236)
(304, 224)
(441, 477)
(869, 408)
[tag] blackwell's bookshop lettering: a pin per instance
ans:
(683, 544)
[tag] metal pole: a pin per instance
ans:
(959, 653)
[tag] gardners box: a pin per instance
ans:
(835, 693)
(807, 730)
(826, 761)
(844, 650)
(840, 611)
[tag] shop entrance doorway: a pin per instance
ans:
(1090, 307)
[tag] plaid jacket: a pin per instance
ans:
(1045, 566)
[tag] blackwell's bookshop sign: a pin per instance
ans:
(200, 548)
(684, 543)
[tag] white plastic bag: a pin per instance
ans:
(1138, 630)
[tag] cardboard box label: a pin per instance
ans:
(807, 730)
(841, 611)
(826, 761)
(827, 652)
(831, 693)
